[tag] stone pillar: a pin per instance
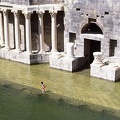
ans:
(6, 29)
(70, 50)
(28, 32)
(97, 57)
(53, 31)
(17, 30)
(2, 43)
(41, 31)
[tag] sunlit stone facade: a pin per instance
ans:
(94, 26)
(31, 30)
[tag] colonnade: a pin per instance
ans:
(4, 23)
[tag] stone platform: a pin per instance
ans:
(109, 72)
(67, 62)
(104, 69)
(24, 57)
(59, 61)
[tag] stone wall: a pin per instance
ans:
(104, 13)
(33, 2)
(19, 2)
(24, 57)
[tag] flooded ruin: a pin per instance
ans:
(68, 95)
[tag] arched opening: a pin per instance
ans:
(91, 28)
(92, 34)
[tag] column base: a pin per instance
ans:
(3, 44)
(54, 50)
(17, 50)
(70, 56)
(7, 48)
(28, 52)
(41, 51)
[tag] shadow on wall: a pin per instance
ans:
(33, 2)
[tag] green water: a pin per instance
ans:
(17, 105)
(68, 96)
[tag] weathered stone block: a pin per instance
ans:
(109, 72)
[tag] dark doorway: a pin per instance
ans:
(91, 46)
(94, 47)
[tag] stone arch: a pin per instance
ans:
(92, 28)
(91, 35)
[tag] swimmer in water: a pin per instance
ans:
(43, 87)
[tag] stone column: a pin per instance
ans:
(28, 32)
(2, 43)
(41, 31)
(53, 31)
(6, 29)
(17, 30)
(70, 50)
(97, 57)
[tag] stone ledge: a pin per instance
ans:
(109, 72)
(67, 64)
(64, 62)
(24, 57)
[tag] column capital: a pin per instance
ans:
(27, 14)
(5, 12)
(53, 13)
(16, 13)
(40, 13)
